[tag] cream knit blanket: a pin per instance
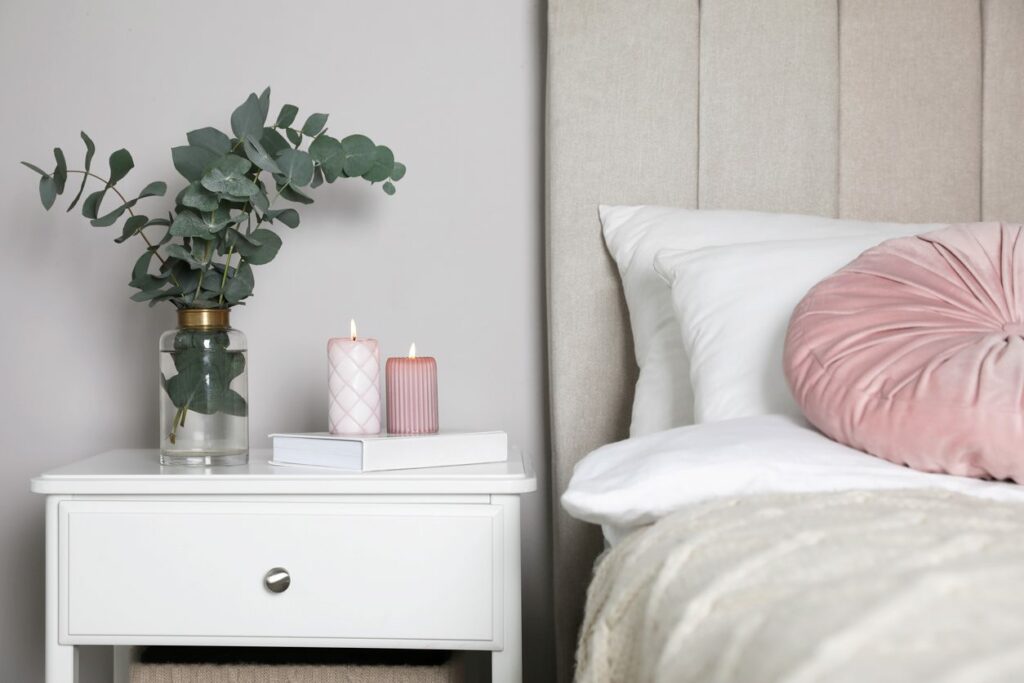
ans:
(863, 586)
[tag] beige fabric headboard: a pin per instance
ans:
(907, 110)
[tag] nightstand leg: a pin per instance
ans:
(507, 664)
(61, 660)
(123, 655)
(61, 663)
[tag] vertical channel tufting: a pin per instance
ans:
(621, 128)
(768, 105)
(1002, 176)
(910, 110)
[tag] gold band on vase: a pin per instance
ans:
(204, 318)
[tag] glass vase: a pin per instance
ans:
(204, 392)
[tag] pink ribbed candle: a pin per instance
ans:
(353, 385)
(412, 394)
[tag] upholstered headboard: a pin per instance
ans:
(878, 109)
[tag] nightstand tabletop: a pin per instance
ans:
(138, 471)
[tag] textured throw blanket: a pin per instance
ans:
(876, 586)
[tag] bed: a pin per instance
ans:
(893, 110)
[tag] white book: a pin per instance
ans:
(389, 451)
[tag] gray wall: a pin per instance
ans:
(453, 262)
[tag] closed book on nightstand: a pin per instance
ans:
(389, 451)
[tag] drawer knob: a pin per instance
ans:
(277, 580)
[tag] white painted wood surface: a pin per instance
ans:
(138, 471)
(143, 555)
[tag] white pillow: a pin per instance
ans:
(638, 481)
(634, 235)
(733, 305)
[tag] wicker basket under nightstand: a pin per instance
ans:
(273, 665)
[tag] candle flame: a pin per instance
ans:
(412, 350)
(352, 328)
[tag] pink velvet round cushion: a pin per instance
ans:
(914, 352)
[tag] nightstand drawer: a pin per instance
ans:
(156, 571)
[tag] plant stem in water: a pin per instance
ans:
(178, 421)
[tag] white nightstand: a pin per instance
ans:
(138, 554)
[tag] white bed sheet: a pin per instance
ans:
(633, 483)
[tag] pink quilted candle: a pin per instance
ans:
(412, 394)
(353, 384)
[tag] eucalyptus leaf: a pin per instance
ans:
(314, 124)
(233, 237)
(188, 224)
(212, 284)
(199, 382)
(294, 136)
(260, 201)
(259, 156)
(35, 168)
(227, 175)
(47, 191)
(247, 120)
(131, 227)
(273, 142)
(206, 400)
(358, 155)
(329, 154)
(191, 161)
(120, 163)
(148, 294)
(216, 220)
(270, 243)
(296, 168)
(165, 222)
(198, 197)
(397, 171)
(141, 266)
(201, 251)
(287, 116)
(60, 171)
(90, 150)
(236, 364)
(111, 218)
(291, 194)
(264, 101)
(180, 252)
(155, 189)
(383, 161)
(232, 403)
(211, 139)
(202, 302)
(318, 177)
(91, 205)
(187, 278)
(389, 188)
(289, 217)
(240, 286)
(147, 282)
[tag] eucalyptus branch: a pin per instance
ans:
(224, 277)
(124, 201)
(225, 176)
(139, 231)
(202, 273)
